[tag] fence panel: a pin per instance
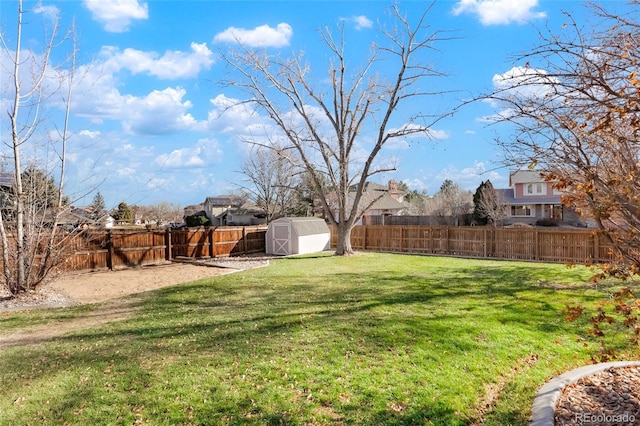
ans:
(191, 243)
(136, 248)
(100, 250)
(544, 244)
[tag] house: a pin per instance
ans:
(82, 217)
(192, 209)
(6, 184)
(246, 214)
(380, 201)
(532, 200)
(217, 208)
(230, 210)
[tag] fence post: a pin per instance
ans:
(484, 236)
(109, 251)
(244, 240)
(364, 239)
(447, 240)
(536, 239)
(402, 240)
(212, 244)
(167, 244)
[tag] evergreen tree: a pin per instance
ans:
(487, 208)
(97, 207)
(124, 213)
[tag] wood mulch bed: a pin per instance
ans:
(610, 397)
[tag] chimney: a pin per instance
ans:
(394, 190)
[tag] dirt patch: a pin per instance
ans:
(101, 286)
(108, 287)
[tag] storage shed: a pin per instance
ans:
(297, 235)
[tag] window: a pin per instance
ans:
(521, 211)
(553, 211)
(535, 189)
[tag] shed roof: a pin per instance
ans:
(306, 225)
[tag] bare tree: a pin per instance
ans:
(271, 182)
(577, 117)
(164, 212)
(325, 125)
(450, 203)
(30, 246)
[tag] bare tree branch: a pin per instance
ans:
(325, 124)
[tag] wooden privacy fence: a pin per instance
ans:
(116, 249)
(542, 244)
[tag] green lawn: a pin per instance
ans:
(363, 340)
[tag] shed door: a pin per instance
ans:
(281, 238)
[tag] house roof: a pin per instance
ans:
(383, 201)
(507, 196)
(193, 208)
(525, 176)
(6, 178)
(222, 201)
(248, 209)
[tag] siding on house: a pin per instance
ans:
(530, 199)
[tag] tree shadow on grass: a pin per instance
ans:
(374, 316)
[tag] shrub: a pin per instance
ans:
(547, 222)
(197, 219)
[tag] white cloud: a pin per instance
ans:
(157, 183)
(416, 184)
(116, 15)
(500, 12)
(159, 112)
(362, 22)
(231, 116)
(469, 178)
(126, 171)
(205, 152)
(420, 132)
(262, 36)
(184, 157)
(89, 134)
(518, 83)
(170, 66)
(50, 12)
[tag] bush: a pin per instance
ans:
(197, 219)
(547, 222)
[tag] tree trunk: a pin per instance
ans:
(343, 247)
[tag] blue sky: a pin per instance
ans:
(146, 117)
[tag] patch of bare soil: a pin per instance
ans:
(108, 287)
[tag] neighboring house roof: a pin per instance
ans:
(381, 201)
(248, 209)
(6, 179)
(507, 197)
(370, 186)
(525, 176)
(69, 217)
(221, 201)
(194, 208)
